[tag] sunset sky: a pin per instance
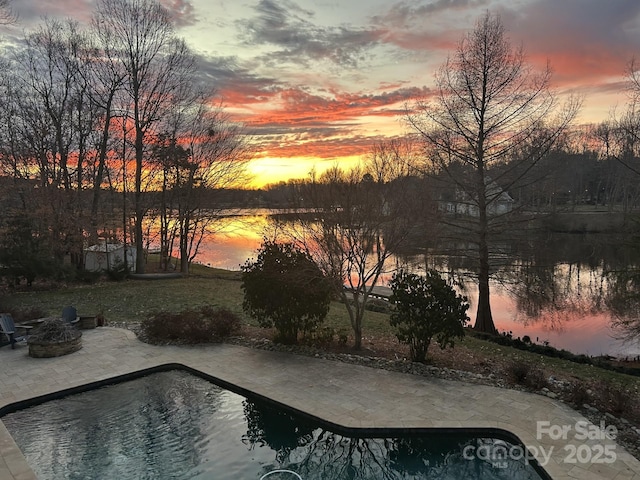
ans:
(317, 81)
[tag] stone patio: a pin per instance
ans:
(349, 395)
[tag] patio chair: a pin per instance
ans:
(70, 315)
(9, 328)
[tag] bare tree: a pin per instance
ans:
(200, 151)
(51, 77)
(488, 108)
(139, 35)
(618, 143)
(218, 158)
(620, 140)
(618, 146)
(51, 126)
(105, 81)
(360, 218)
(619, 137)
(633, 74)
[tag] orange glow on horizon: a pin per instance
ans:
(270, 170)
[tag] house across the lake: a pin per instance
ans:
(460, 202)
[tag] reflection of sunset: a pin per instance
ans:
(578, 331)
(237, 241)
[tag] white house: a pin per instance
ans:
(108, 256)
(499, 202)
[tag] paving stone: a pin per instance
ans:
(346, 394)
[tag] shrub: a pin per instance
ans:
(426, 307)
(285, 289)
(85, 276)
(578, 394)
(202, 325)
(617, 399)
(377, 305)
(118, 272)
(321, 337)
(222, 321)
(523, 373)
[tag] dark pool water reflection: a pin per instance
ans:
(177, 425)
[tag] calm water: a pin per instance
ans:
(553, 289)
(179, 426)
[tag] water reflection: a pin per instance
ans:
(315, 453)
(147, 428)
(623, 300)
(565, 289)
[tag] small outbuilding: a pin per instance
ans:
(105, 257)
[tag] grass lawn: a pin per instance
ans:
(133, 300)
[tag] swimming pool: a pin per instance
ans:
(174, 424)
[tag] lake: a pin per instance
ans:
(553, 290)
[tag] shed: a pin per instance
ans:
(108, 256)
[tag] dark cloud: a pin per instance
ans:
(32, 11)
(298, 107)
(182, 12)
(428, 27)
(292, 30)
(327, 147)
(408, 14)
(237, 84)
(585, 40)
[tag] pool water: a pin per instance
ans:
(175, 425)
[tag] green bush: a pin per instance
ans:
(202, 325)
(118, 273)
(285, 289)
(377, 305)
(426, 307)
(321, 337)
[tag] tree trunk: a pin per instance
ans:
(357, 325)
(355, 317)
(184, 249)
(99, 175)
(484, 319)
(357, 333)
(140, 260)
